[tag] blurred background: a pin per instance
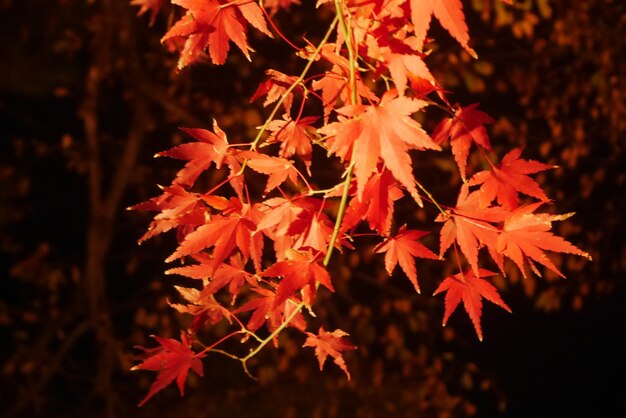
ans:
(88, 95)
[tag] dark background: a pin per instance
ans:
(87, 97)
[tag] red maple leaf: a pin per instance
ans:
(172, 361)
(334, 83)
(526, 236)
(505, 180)
(212, 147)
(402, 249)
(212, 24)
(383, 131)
(232, 274)
(177, 208)
(275, 88)
(224, 233)
(470, 288)
(278, 169)
(266, 311)
(263, 307)
(401, 65)
(294, 137)
(312, 229)
(392, 49)
(330, 344)
(202, 305)
(471, 226)
(278, 215)
(465, 127)
(377, 206)
(450, 15)
(300, 272)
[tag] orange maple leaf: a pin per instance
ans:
(526, 236)
(504, 181)
(381, 132)
(448, 12)
(463, 129)
(172, 361)
(470, 288)
(301, 272)
(177, 208)
(294, 136)
(402, 249)
(471, 226)
(278, 169)
(224, 233)
(212, 24)
(381, 192)
(275, 88)
(330, 344)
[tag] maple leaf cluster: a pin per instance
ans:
(259, 258)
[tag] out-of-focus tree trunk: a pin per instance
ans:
(111, 30)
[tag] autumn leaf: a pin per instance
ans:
(400, 55)
(172, 361)
(525, 236)
(471, 226)
(209, 23)
(402, 249)
(299, 272)
(470, 288)
(312, 229)
(202, 305)
(448, 12)
(232, 274)
(294, 137)
(210, 148)
(383, 131)
(504, 181)
(278, 215)
(463, 129)
(334, 83)
(381, 192)
(278, 169)
(262, 305)
(330, 344)
(177, 208)
(275, 88)
(266, 311)
(403, 65)
(224, 233)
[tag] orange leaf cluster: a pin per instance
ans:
(260, 257)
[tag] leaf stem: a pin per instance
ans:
(351, 56)
(340, 213)
(432, 199)
(270, 337)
